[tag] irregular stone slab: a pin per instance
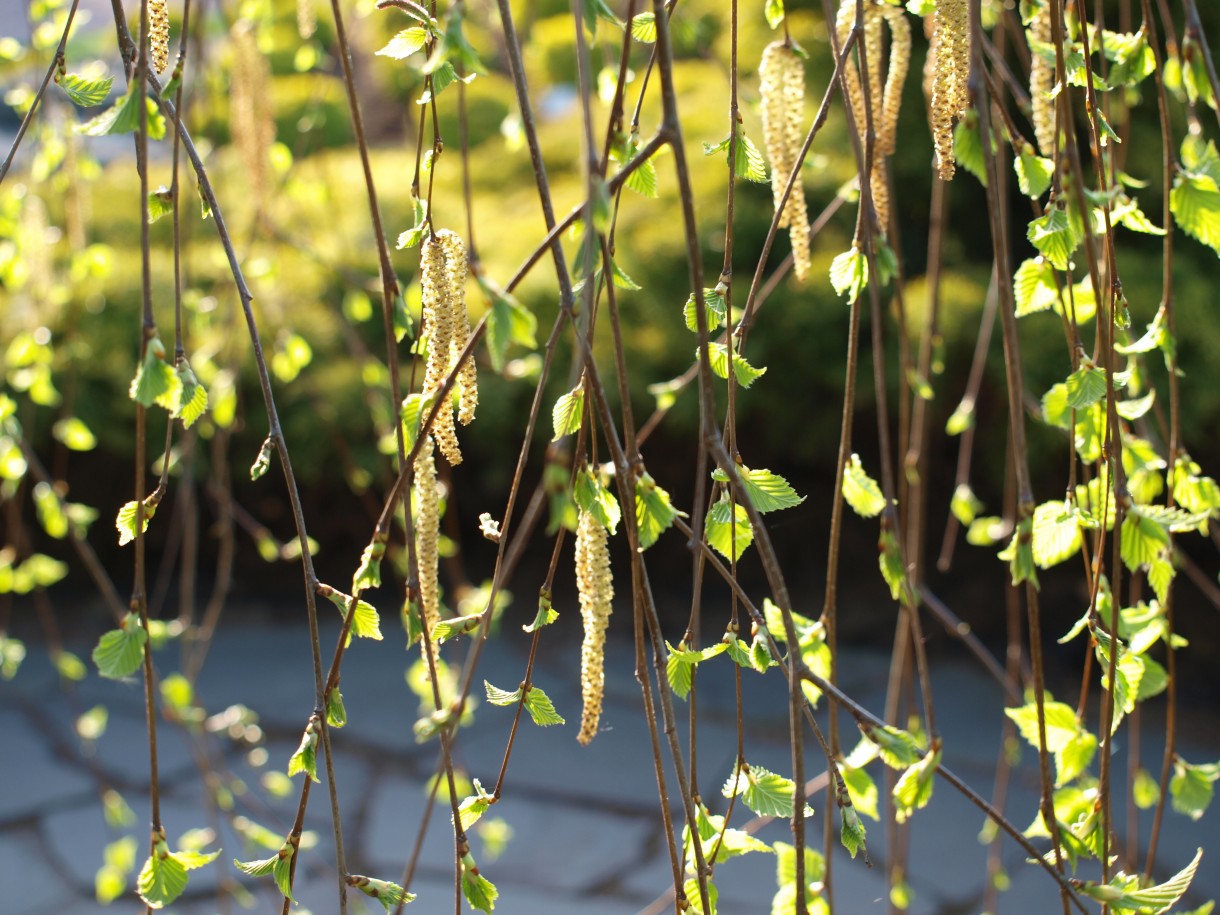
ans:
(34, 778)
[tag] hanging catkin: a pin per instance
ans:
(884, 103)
(1042, 82)
(250, 118)
(427, 532)
(307, 19)
(438, 316)
(950, 73)
(158, 33)
(782, 85)
(467, 380)
(596, 590)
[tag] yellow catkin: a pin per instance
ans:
(891, 104)
(895, 76)
(427, 532)
(950, 92)
(782, 85)
(468, 379)
(158, 33)
(250, 109)
(438, 321)
(596, 589)
(1042, 82)
(307, 19)
(885, 101)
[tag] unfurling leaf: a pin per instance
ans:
(305, 759)
(861, 491)
(567, 413)
(120, 651)
(654, 513)
(390, 895)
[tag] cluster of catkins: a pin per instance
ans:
(782, 83)
(596, 589)
(1041, 82)
(443, 272)
(250, 113)
(443, 278)
(158, 33)
(885, 103)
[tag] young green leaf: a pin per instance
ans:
(898, 748)
(546, 613)
(768, 491)
(85, 93)
(654, 513)
(679, 669)
(366, 623)
(390, 895)
(774, 11)
(567, 413)
(497, 696)
(1195, 199)
(120, 651)
(745, 373)
(1143, 539)
(893, 570)
(192, 400)
(644, 28)
(728, 529)
(715, 308)
(861, 491)
(1190, 789)
(405, 43)
(125, 522)
(1019, 554)
(1085, 386)
(262, 463)
(1056, 533)
(368, 574)
(480, 892)
(1124, 895)
(749, 163)
(593, 497)
(336, 712)
(861, 789)
(849, 273)
(763, 791)
(914, 787)
(1034, 173)
(508, 322)
(278, 866)
(162, 879)
(124, 117)
(455, 626)
(155, 381)
(852, 834)
(305, 759)
(1054, 236)
(414, 235)
(541, 709)
(472, 808)
(968, 147)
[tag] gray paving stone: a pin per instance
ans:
(33, 777)
(394, 815)
(28, 883)
(564, 847)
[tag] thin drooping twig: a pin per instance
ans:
(1017, 444)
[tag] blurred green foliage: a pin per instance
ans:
(69, 254)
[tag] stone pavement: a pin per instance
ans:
(585, 826)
